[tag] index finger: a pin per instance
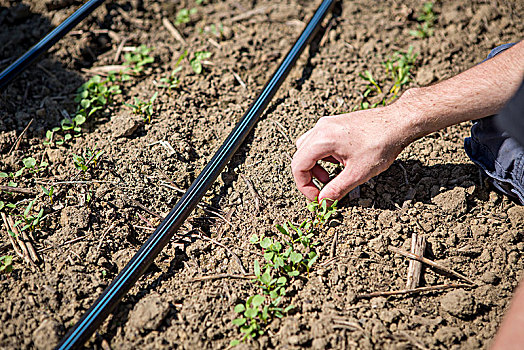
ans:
(302, 164)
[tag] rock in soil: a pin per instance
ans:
(148, 314)
(453, 201)
(47, 335)
(459, 303)
(516, 216)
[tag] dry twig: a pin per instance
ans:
(249, 14)
(333, 251)
(173, 31)
(102, 238)
(19, 138)
(281, 129)
(253, 192)
(144, 208)
(237, 77)
(222, 275)
(63, 244)
(418, 245)
(431, 263)
(18, 190)
(11, 238)
(417, 343)
(25, 248)
(119, 49)
(414, 290)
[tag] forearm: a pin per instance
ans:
(476, 93)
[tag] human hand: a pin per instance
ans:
(364, 142)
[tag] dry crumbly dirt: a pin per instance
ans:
(432, 189)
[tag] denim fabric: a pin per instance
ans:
(496, 153)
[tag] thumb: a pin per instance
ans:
(339, 186)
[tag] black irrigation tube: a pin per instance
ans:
(90, 321)
(49, 40)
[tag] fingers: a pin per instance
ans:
(304, 166)
(301, 139)
(339, 186)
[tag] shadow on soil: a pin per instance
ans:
(44, 89)
(412, 180)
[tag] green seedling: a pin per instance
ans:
(143, 108)
(372, 88)
(83, 162)
(30, 163)
(27, 221)
(138, 59)
(91, 97)
(284, 260)
(171, 82)
(196, 61)
(12, 176)
(398, 74)
(373, 85)
(48, 192)
(399, 68)
(9, 205)
(213, 29)
(426, 21)
(184, 16)
(6, 264)
(118, 77)
(216, 29)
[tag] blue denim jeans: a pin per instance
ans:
(496, 153)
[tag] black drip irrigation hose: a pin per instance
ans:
(49, 40)
(125, 280)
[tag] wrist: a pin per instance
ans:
(412, 120)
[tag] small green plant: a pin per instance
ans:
(6, 264)
(83, 162)
(372, 87)
(397, 69)
(143, 108)
(12, 176)
(196, 61)
(30, 163)
(285, 258)
(184, 16)
(213, 29)
(27, 221)
(171, 82)
(138, 59)
(91, 97)
(9, 205)
(426, 21)
(48, 192)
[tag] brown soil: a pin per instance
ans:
(432, 189)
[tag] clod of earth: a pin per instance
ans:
(148, 314)
(452, 201)
(47, 335)
(459, 303)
